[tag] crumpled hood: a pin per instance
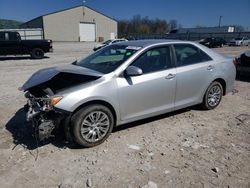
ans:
(45, 75)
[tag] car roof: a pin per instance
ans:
(120, 39)
(8, 32)
(145, 43)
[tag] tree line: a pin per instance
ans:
(9, 24)
(138, 25)
(143, 25)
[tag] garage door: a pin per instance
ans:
(87, 32)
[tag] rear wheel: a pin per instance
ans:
(37, 53)
(92, 125)
(213, 96)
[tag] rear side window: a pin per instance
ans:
(13, 36)
(187, 54)
(204, 56)
(156, 59)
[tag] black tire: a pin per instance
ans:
(209, 102)
(77, 125)
(37, 53)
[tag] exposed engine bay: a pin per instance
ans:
(42, 116)
(41, 93)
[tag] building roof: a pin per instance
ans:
(221, 29)
(69, 9)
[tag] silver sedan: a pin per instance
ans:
(123, 83)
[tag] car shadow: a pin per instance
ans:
(151, 119)
(22, 131)
(4, 58)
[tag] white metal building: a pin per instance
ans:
(79, 23)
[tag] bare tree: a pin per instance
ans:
(173, 24)
(141, 25)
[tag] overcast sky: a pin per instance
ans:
(188, 13)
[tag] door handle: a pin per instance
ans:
(170, 76)
(210, 67)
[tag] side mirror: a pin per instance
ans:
(133, 71)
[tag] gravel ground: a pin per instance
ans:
(187, 148)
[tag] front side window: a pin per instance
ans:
(2, 36)
(187, 54)
(107, 42)
(108, 59)
(6, 36)
(115, 41)
(153, 60)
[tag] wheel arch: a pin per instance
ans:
(37, 47)
(100, 102)
(223, 83)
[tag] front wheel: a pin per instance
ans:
(213, 96)
(92, 125)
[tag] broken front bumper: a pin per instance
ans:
(46, 120)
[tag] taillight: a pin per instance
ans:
(50, 43)
(235, 62)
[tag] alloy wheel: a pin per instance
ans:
(95, 126)
(214, 95)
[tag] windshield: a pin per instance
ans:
(108, 59)
(107, 42)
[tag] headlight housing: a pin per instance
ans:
(55, 100)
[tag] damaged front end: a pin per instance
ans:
(44, 118)
(41, 91)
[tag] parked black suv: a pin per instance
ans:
(213, 42)
(11, 44)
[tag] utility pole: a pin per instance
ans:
(220, 20)
(83, 8)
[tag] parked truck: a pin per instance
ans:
(12, 44)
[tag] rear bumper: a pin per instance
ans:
(241, 68)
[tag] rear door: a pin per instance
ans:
(10, 44)
(194, 71)
(152, 92)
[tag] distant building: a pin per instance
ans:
(223, 29)
(79, 23)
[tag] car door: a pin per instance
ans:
(5, 46)
(10, 45)
(152, 92)
(194, 72)
(14, 43)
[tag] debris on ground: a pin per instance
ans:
(150, 185)
(215, 169)
(134, 147)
